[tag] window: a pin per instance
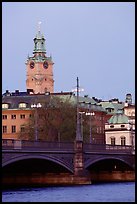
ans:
(122, 125)
(111, 126)
(109, 110)
(22, 116)
(22, 129)
(4, 117)
(22, 105)
(112, 140)
(13, 128)
(123, 141)
(4, 129)
(5, 105)
(13, 116)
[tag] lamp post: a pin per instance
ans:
(81, 123)
(38, 105)
(78, 130)
(90, 135)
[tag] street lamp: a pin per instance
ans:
(38, 105)
(90, 136)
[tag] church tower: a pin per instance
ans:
(39, 76)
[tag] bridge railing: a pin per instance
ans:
(36, 145)
(10, 144)
(107, 148)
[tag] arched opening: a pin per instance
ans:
(33, 172)
(109, 170)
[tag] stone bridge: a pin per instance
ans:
(78, 158)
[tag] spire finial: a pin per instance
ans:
(39, 26)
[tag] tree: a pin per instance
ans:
(54, 121)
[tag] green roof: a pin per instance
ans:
(112, 105)
(83, 99)
(118, 119)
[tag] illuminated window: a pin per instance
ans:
(5, 105)
(22, 105)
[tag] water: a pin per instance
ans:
(101, 192)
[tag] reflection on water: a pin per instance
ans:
(101, 192)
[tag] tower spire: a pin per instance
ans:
(39, 41)
(39, 23)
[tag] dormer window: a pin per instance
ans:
(110, 110)
(22, 105)
(5, 105)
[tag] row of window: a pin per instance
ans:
(21, 105)
(22, 116)
(112, 126)
(100, 129)
(13, 129)
(131, 113)
(123, 141)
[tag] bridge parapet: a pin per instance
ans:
(105, 148)
(9, 144)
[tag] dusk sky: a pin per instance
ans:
(91, 40)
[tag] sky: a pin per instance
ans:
(94, 41)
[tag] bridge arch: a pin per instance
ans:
(44, 157)
(92, 161)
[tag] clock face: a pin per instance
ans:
(45, 65)
(32, 64)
